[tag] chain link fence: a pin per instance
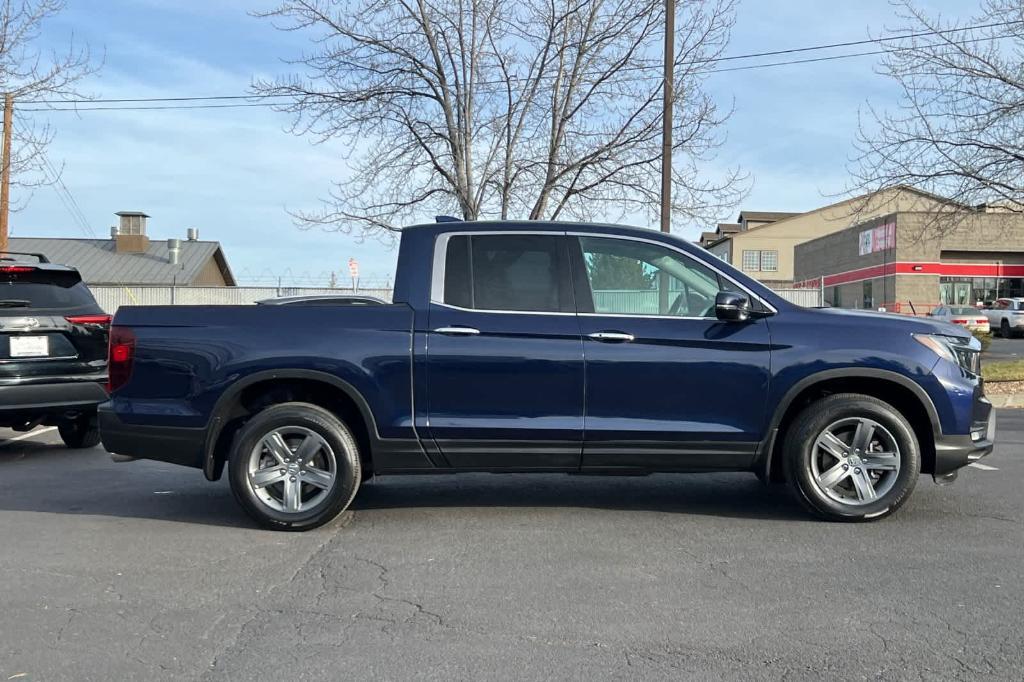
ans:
(111, 298)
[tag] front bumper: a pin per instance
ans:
(41, 397)
(955, 452)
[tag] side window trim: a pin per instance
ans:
(437, 273)
(579, 270)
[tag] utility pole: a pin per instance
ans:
(666, 118)
(666, 142)
(5, 174)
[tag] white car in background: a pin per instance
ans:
(1006, 316)
(966, 316)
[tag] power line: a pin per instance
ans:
(712, 60)
(62, 191)
(71, 197)
(746, 67)
(153, 108)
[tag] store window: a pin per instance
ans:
(869, 298)
(963, 291)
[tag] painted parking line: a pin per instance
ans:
(30, 434)
(983, 467)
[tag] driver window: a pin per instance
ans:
(628, 277)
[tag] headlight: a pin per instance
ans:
(964, 351)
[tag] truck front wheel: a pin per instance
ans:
(294, 466)
(851, 457)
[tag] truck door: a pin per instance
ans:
(669, 386)
(504, 356)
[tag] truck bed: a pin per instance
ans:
(186, 357)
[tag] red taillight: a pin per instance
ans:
(15, 268)
(959, 321)
(88, 319)
(120, 357)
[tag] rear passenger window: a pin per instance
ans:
(510, 272)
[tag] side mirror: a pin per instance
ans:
(732, 307)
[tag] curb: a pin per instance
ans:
(1007, 400)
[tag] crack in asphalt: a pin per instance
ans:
(332, 533)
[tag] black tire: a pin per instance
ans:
(826, 413)
(1004, 329)
(303, 416)
(80, 433)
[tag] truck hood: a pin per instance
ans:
(914, 325)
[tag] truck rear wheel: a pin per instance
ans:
(851, 457)
(294, 466)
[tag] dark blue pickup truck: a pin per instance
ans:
(547, 347)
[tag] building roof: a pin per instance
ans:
(706, 237)
(764, 216)
(132, 214)
(99, 263)
(728, 228)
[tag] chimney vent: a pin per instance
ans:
(173, 251)
(193, 234)
(131, 232)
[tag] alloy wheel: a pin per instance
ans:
(292, 469)
(855, 461)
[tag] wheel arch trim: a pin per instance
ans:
(211, 466)
(767, 445)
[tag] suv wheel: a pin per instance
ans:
(1004, 329)
(294, 466)
(80, 433)
(851, 457)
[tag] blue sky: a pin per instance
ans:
(233, 173)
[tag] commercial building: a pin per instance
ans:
(130, 257)
(763, 244)
(911, 261)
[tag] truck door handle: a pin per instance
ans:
(611, 337)
(457, 331)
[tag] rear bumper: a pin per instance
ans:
(172, 444)
(955, 452)
(47, 397)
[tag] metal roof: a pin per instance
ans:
(99, 263)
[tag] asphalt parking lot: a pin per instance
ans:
(1005, 349)
(145, 571)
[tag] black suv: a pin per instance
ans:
(53, 349)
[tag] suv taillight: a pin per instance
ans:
(120, 358)
(103, 320)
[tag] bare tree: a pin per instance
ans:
(29, 74)
(958, 131)
(487, 108)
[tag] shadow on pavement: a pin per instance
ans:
(723, 495)
(41, 477)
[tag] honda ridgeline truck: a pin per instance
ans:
(547, 347)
